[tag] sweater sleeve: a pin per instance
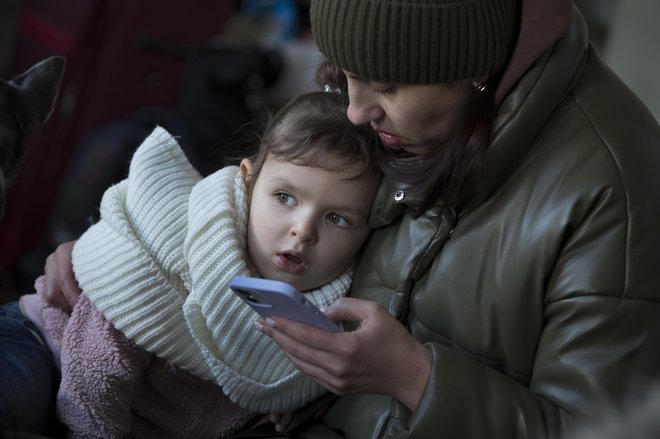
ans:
(100, 369)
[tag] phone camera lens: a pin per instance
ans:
(251, 296)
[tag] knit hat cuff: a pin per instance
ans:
(416, 41)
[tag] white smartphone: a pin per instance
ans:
(280, 299)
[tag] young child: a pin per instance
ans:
(158, 345)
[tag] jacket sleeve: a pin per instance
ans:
(100, 373)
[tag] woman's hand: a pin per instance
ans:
(279, 420)
(60, 287)
(380, 356)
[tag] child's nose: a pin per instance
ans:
(305, 229)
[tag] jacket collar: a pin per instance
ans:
(525, 111)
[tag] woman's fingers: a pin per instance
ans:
(347, 308)
(60, 287)
(356, 361)
(281, 420)
(298, 339)
(315, 352)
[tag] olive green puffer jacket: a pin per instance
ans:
(535, 296)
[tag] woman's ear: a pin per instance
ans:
(247, 171)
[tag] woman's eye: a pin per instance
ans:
(284, 198)
(384, 89)
(338, 220)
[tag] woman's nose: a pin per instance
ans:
(362, 108)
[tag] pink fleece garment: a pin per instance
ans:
(113, 388)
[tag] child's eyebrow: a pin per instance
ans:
(282, 181)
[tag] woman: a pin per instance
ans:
(514, 273)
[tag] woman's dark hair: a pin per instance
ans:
(331, 77)
(313, 130)
(448, 170)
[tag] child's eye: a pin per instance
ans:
(286, 199)
(338, 220)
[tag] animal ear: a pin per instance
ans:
(38, 88)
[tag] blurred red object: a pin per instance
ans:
(109, 75)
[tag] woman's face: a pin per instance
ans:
(406, 116)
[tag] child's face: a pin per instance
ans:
(306, 224)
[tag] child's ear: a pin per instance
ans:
(38, 88)
(247, 171)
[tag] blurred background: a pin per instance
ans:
(207, 71)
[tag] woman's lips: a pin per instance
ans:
(290, 262)
(390, 140)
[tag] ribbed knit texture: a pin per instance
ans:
(130, 263)
(416, 41)
(168, 244)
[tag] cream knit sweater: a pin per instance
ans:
(158, 266)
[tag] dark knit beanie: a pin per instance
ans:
(416, 41)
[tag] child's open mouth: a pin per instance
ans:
(294, 259)
(290, 262)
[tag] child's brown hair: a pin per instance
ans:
(313, 130)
